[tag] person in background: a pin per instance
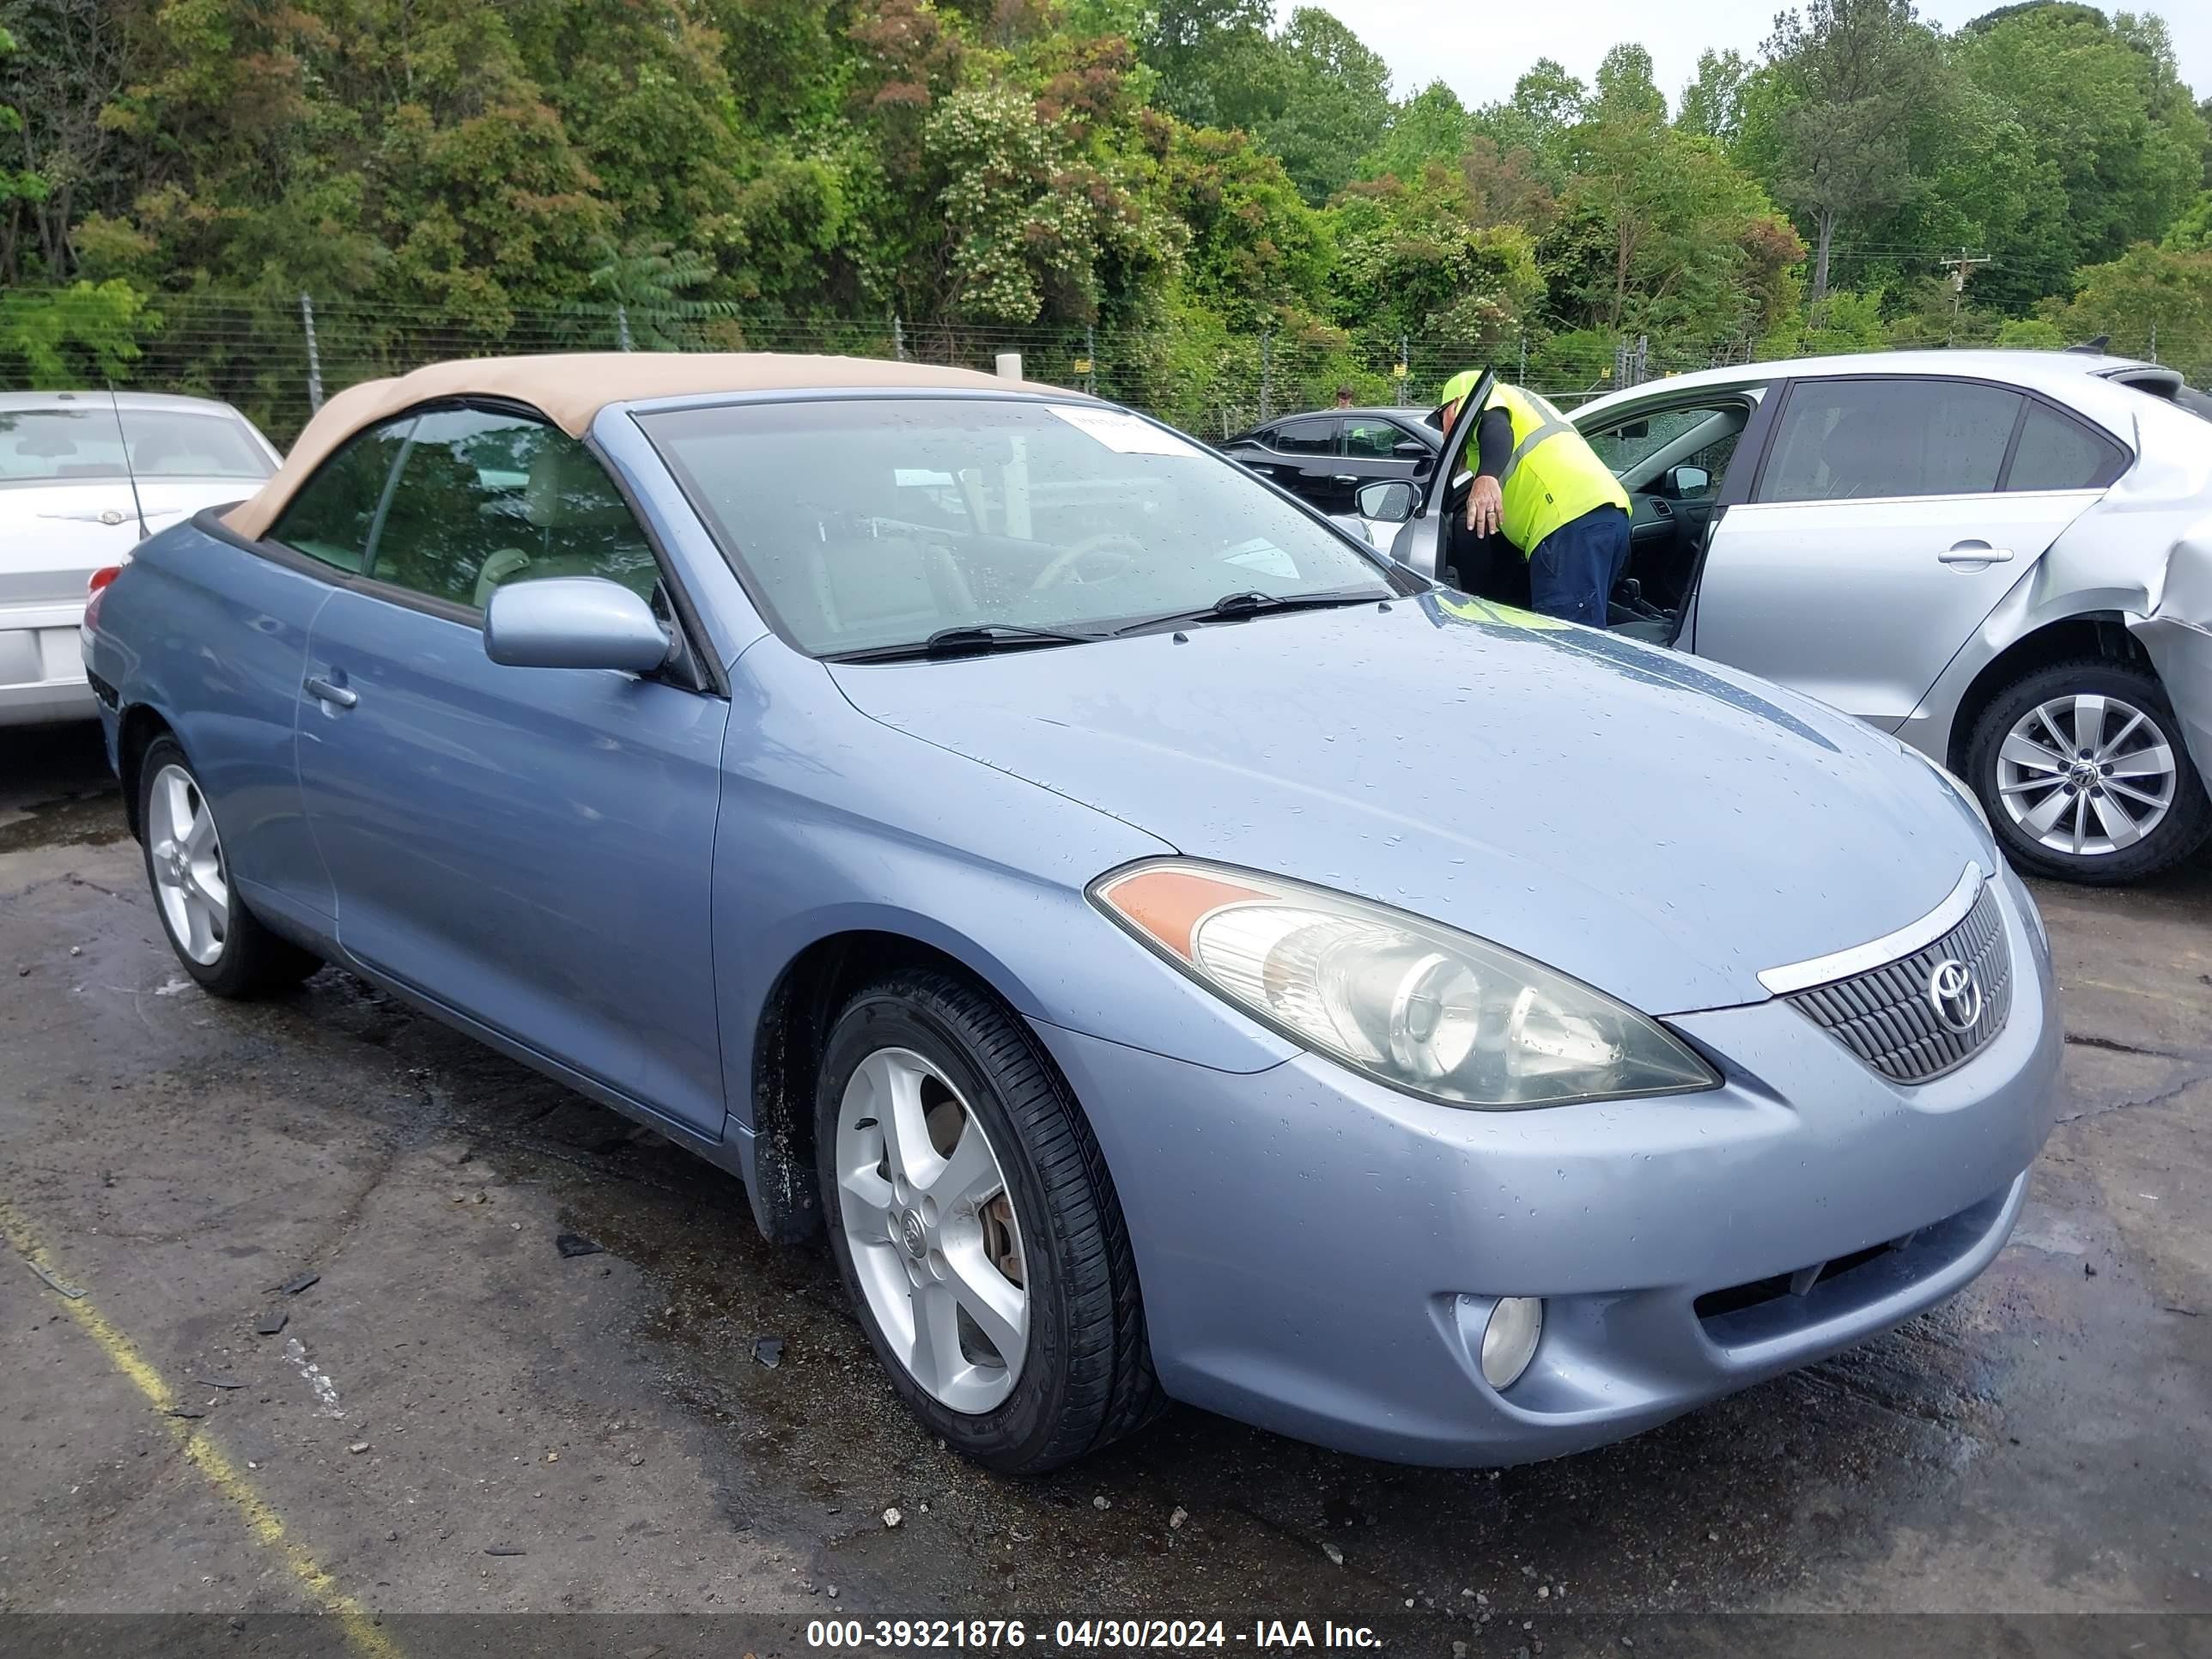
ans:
(1537, 481)
(1344, 397)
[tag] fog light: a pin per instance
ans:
(1509, 1340)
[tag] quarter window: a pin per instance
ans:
(334, 512)
(2058, 453)
(485, 498)
(1865, 440)
(1306, 437)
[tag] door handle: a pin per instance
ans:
(338, 697)
(1346, 478)
(1975, 553)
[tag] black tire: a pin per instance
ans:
(252, 962)
(2188, 819)
(1086, 1379)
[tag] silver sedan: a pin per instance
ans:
(84, 477)
(2003, 558)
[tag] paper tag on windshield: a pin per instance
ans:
(1123, 434)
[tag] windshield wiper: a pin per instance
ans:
(1232, 607)
(977, 638)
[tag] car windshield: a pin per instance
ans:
(867, 523)
(39, 446)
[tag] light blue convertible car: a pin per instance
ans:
(1170, 951)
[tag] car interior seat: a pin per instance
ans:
(582, 526)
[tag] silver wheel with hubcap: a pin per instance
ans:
(929, 1220)
(186, 855)
(2087, 774)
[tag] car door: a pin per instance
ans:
(532, 847)
(1301, 455)
(1376, 449)
(1879, 532)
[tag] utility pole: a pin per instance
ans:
(1267, 370)
(1405, 369)
(1961, 268)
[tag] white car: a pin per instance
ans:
(84, 477)
(2002, 558)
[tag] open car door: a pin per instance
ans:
(1424, 541)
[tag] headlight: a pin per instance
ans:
(1410, 1002)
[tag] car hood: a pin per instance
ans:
(53, 535)
(1657, 827)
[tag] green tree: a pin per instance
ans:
(1431, 126)
(1330, 104)
(2099, 100)
(1712, 104)
(639, 294)
(1848, 77)
(2192, 232)
(2152, 302)
(65, 337)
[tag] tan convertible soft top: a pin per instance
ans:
(570, 390)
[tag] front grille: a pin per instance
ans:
(1886, 1016)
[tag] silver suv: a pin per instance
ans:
(2003, 558)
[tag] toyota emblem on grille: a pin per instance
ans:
(1955, 995)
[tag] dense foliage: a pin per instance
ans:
(1198, 185)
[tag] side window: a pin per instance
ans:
(1371, 440)
(1306, 437)
(1865, 440)
(330, 517)
(486, 498)
(2058, 453)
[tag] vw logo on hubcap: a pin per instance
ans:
(1955, 995)
(911, 1235)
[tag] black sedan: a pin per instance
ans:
(1327, 456)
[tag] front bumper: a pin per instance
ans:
(1318, 1253)
(42, 665)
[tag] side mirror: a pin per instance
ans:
(1411, 449)
(1683, 482)
(1392, 501)
(573, 621)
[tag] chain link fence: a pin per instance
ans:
(277, 357)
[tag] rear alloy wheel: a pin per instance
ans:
(975, 1227)
(216, 939)
(2081, 769)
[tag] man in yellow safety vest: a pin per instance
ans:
(1540, 482)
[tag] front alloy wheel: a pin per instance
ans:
(975, 1226)
(930, 1229)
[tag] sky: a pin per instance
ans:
(1480, 47)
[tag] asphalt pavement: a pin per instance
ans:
(663, 1415)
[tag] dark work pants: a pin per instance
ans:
(1571, 575)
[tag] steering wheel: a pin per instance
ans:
(1124, 552)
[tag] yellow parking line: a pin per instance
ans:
(234, 1489)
